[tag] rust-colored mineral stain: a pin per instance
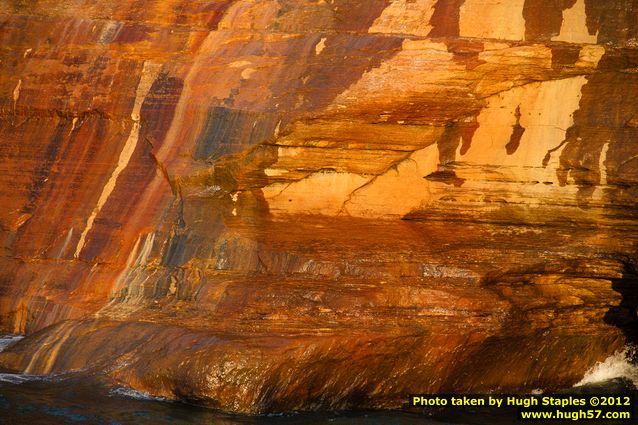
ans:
(445, 19)
(353, 188)
(467, 52)
(543, 18)
(565, 56)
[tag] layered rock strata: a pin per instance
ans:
(270, 205)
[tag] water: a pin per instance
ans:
(618, 365)
(7, 340)
(87, 401)
(70, 399)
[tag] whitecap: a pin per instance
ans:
(138, 395)
(19, 378)
(7, 340)
(618, 365)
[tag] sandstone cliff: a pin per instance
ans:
(267, 205)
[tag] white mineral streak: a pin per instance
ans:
(16, 93)
(147, 248)
(65, 245)
(149, 74)
(602, 168)
(74, 124)
(601, 164)
(320, 46)
(130, 261)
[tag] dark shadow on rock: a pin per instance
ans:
(625, 315)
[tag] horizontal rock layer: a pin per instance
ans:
(269, 205)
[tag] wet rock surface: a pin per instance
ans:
(295, 205)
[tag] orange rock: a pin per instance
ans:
(295, 205)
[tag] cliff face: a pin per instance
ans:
(271, 204)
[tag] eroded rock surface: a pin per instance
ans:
(270, 205)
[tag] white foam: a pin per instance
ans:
(138, 395)
(15, 378)
(7, 340)
(618, 365)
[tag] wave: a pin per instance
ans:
(618, 365)
(138, 395)
(19, 378)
